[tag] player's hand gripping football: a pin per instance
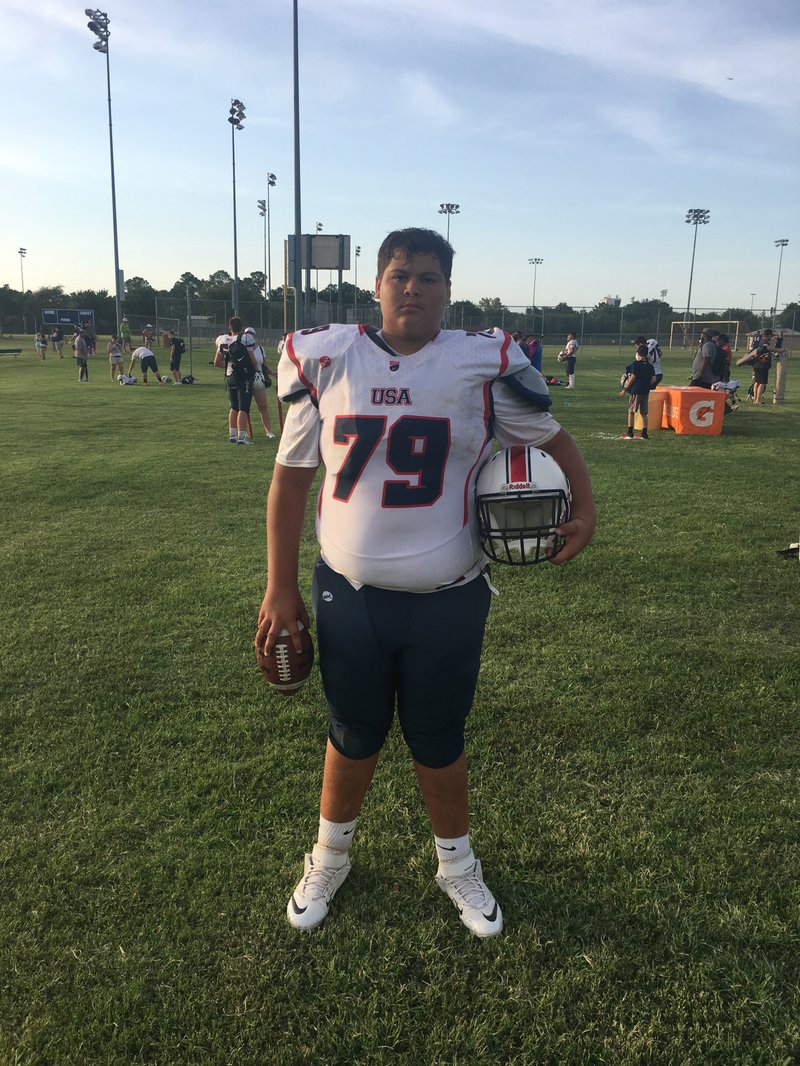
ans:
(284, 649)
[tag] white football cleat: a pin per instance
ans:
(309, 903)
(477, 907)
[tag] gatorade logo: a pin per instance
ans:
(701, 413)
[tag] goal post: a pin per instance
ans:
(686, 334)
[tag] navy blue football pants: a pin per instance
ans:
(418, 652)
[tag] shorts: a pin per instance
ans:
(240, 397)
(760, 374)
(115, 358)
(175, 362)
(417, 651)
(149, 363)
(637, 403)
(259, 384)
(569, 362)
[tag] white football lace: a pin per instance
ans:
(282, 658)
(317, 881)
(471, 888)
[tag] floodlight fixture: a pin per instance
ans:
(355, 285)
(695, 216)
(778, 244)
(448, 209)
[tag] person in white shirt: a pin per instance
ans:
(567, 356)
(261, 383)
(401, 419)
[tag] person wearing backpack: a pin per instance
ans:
(235, 352)
(176, 350)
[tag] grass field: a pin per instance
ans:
(633, 752)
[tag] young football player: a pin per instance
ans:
(239, 376)
(639, 379)
(402, 419)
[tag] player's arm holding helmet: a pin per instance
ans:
(521, 418)
(579, 530)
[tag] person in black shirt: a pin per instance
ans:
(176, 350)
(639, 379)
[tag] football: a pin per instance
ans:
(285, 670)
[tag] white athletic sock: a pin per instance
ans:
(333, 841)
(452, 849)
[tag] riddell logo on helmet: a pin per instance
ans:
(515, 486)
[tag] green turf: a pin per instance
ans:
(633, 752)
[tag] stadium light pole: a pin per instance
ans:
(535, 263)
(752, 297)
(98, 24)
(262, 210)
(695, 216)
(778, 244)
(297, 279)
(236, 119)
(355, 286)
(271, 179)
(658, 313)
(448, 209)
(318, 230)
(22, 253)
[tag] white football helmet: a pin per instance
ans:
(522, 495)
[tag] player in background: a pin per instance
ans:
(639, 379)
(262, 381)
(238, 379)
(402, 419)
(568, 356)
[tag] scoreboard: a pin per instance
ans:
(69, 317)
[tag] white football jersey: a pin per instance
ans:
(224, 339)
(402, 438)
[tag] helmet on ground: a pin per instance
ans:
(522, 496)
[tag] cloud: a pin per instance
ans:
(421, 100)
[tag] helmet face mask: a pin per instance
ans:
(522, 496)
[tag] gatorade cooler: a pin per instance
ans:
(655, 411)
(693, 410)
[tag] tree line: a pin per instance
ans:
(21, 312)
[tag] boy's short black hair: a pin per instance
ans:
(416, 241)
(641, 349)
(640, 340)
(235, 324)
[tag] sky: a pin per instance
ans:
(577, 132)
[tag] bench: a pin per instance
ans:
(11, 351)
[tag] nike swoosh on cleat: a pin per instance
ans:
(489, 917)
(296, 909)
(442, 847)
(346, 832)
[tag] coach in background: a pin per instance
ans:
(703, 376)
